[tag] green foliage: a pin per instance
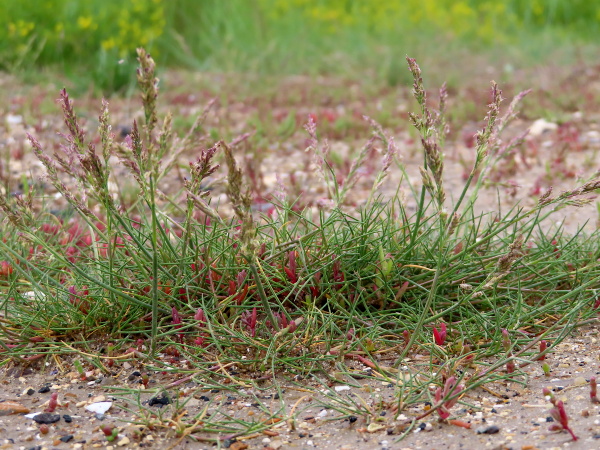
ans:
(277, 36)
(102, 35)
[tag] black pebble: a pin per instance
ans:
(160, 400)
(227, 442)
(67, 418)
(422, 425)
(352, 419)
(596, 436)
(205, 398)
(46, 418)
(37, 447)
(549, 419)
(492, 429)
(66, 438)
(44, 389)
(215, 391)
(276, 396)
(30, 391)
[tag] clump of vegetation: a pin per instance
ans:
(96, 40)
(190, 289)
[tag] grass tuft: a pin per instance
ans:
(438, 302)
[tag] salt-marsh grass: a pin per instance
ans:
(443, 296)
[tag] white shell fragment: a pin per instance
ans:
(99, 408)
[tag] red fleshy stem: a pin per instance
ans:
(593, 390)
(543, 347)
(440, 336)
(53, 403)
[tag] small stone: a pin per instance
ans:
(66, 438)
(492, 429)
(579, 381)
(44, 389)
(123, 442)
(276, 444)
(160, 400)
(67, 418)
(46, 418)
(30, 391)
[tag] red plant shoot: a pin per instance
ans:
(53, 403)
(593, 390)
(6, 269)
(176, 318)
(543, 347)
(200, 317)
(249, 320)
(291, 269)
(559, 414)
(450, 389)
(440, 336)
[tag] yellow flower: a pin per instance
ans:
(107, 44)
(85, 22)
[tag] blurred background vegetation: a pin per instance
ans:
(94, 41)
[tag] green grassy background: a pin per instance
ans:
(95, 41)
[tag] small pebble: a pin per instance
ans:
(492, 429)
(160, 400)
(46, 418)
(67, 418)
(44, 389)
(66, 438)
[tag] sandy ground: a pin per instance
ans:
(517, 416)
